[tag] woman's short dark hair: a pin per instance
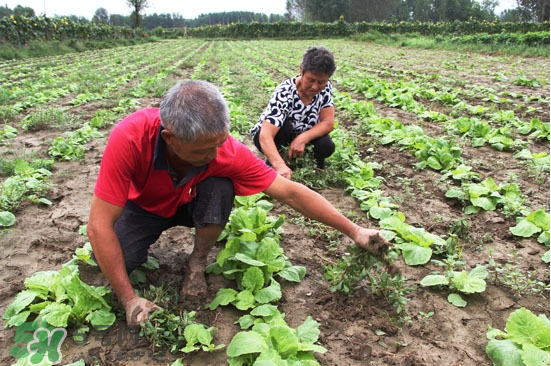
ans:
(318, 60)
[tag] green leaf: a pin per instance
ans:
(284, 340)
(470, 209)
(223, 297)
(434, 163)
(544, 237)
(415, 254)
(6, 218)
(101, 319)
(20, 302)
(524, 228)
(470, 283)
(457, 300)
(540, 218)
(379, 212)
(204, 336)
(524, 327)
(246, 343)
(455, 193)
(269, 294)
(43, 281)
(504, 353)
(434, 280)
(18, 319)
(533, 356)
(484, 203)
(244, 300)
(253, 279)
(266, 311)
(545, 257)
(308, 332)
(248, 260)
(246, 321)
(56, 314)
(293, 273)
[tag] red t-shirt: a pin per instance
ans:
(129, 170)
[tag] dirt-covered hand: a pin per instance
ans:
(373, 241)
(137, 310)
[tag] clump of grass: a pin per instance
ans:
(50, 117)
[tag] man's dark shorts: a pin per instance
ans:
(137, 229)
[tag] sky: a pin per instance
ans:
(188, 9)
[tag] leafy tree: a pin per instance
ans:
(326, 10)
(510, 15)
(25, 11)
(138, 6)
(422, 10)
(533, 10)
(295, 9)
(5, 11)
(119, 20)
(101, 16)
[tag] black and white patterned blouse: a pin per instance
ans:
(285, 104)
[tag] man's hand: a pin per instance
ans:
(373, 241)
(137, 310)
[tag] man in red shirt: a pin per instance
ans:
(178, 165)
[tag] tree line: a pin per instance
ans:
(322, 11)
(152, 21)
(414, 10)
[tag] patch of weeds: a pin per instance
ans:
(172, 329)
(164, 295)
(7, 113)
(305, 170)
(50, 117)
(521, 282)
(359, 268)
(461, 228)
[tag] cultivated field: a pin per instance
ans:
(445, 151)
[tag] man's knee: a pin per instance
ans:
(219, 187)
(214, 203)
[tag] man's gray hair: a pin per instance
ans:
(194, 108)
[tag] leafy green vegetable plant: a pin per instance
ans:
(71, 145)
(487, 195)
(28, 184)
(415, 243)
(533, 223)
(459, 281)
(61, 298)
(524, 342)
(252, 256)
(272, 342)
